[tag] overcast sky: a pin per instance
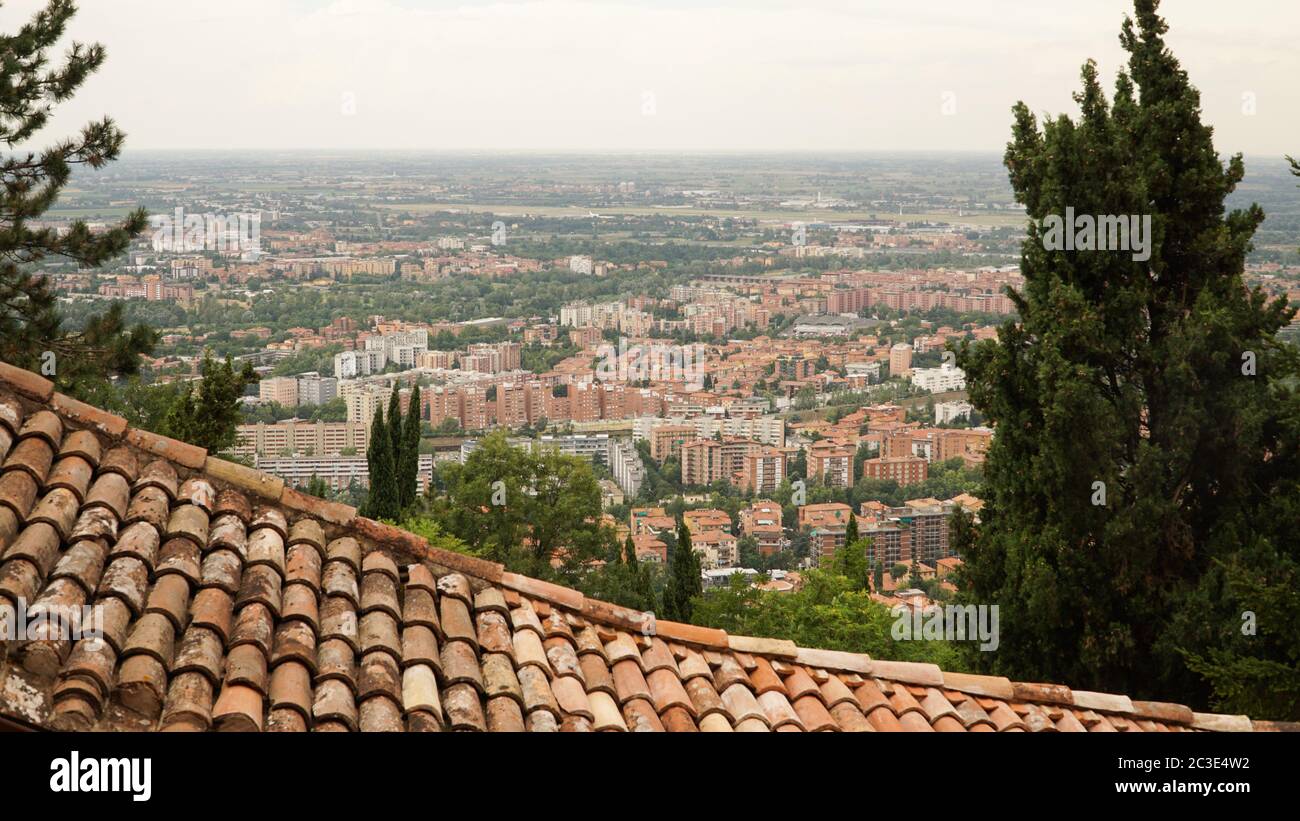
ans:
(616, 75)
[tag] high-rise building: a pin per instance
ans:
(283, 390)
(900, 359)
(831, 463)
(314, 389)
(763, 471)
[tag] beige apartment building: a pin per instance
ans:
(303, 438)
(282, 390)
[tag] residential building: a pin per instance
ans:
(906, 470)
(937, 380)
(831, 463)
(763, 470)
(900, 359)
(282, 390)
(827, 514)
(298, 437)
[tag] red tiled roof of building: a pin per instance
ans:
(233, 602)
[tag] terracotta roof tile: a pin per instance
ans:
(26, 383)
(629, 681)
(504, 715)
(420, 690)
(537, 690)
(334, 701)
(175, 451)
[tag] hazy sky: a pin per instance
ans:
(619, 75)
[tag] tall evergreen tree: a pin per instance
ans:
(31, 329)
(408, 463)
(382, 501)
(395, 423)
(684, 582)
(1147, 423)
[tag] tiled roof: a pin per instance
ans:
(232, 602)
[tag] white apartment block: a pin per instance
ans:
(338, 472)
(352, 364)
(936, 380)
(870, 370)
(945, 412)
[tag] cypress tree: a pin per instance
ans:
(1147, 427)
(409, 459)
(684, 581)
(395, 423)
(382, 500)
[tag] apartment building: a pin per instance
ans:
(703, 519)
(937, 380)
(717, 549)
(763, 470)
(667, 441)
(297, 436)
(314, 389)
(831, 463)
(338, 471)
(900, 359)
(282, 390)
(828, 514)
(353, 364)
(916, 530)
(363, 400)
(701, 461)
(650, 549)
(945, 412)
(762, 521)
(906, 470)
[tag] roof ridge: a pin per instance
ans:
(344, 519)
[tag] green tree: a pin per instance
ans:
(408, 466)
(32, 334)
(850, 559)
(828, 612)
(209, 414)
(395, 423)
(318, 487)
(1147, 428)
(382, 502)
(526, 509)
(684, 581)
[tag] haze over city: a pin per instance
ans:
(826, 75)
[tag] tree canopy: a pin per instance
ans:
(1148, 429)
